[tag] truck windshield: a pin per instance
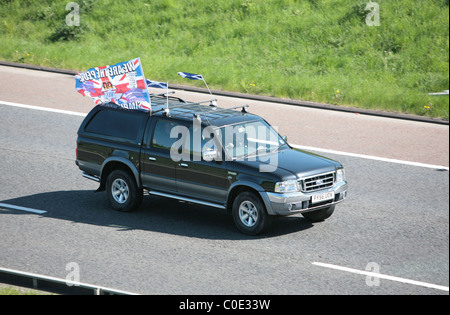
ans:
(249, 139)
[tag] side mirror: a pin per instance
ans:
(284, 138)
(210, 155)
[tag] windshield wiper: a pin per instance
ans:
(278, 148)
(263, 149)
(254, 153)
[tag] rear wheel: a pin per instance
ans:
(123, 193)
(319, 215)
(249, 214)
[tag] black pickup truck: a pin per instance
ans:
(203, 154)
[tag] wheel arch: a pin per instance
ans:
(240, 187)
(114, 163)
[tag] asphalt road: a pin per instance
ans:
(395, 221)
(396, 217)
(360, 134)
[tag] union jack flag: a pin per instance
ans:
(123, 84)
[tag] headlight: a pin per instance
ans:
(340, 175)
(287, 186)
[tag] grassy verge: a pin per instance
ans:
(316, 50)
(8, 290)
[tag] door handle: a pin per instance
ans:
(184, 165)
(152, 158)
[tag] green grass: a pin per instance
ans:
(7, 290)
(316, 50)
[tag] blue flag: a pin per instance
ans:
(190, 76)
(156, 84)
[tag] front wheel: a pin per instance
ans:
(123, 193)
(319, 215)
(249, 214)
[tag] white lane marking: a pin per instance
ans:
(301, 147)
(370, 157)
(45, 109)
(382, 276)
(7, 206)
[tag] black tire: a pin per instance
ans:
(122, 191)
(319, 215)
(249, 214)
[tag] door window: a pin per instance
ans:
(161, 135)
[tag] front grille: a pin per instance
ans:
(317, 182)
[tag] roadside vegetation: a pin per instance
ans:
(315, 50)
(12, 290)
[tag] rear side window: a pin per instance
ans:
(119, 124)
(161, 135)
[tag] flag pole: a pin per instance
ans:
(213, 103)
(192, 76)
(206, 85)
(167, 98)
(151, 108)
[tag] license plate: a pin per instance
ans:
(322, 197)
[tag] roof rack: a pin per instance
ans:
(244, 108)
(165, 96)
(185, 104)
(162, 94)
(213, 109)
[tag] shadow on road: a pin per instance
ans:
(155, 214)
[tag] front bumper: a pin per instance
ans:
(298, 202)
